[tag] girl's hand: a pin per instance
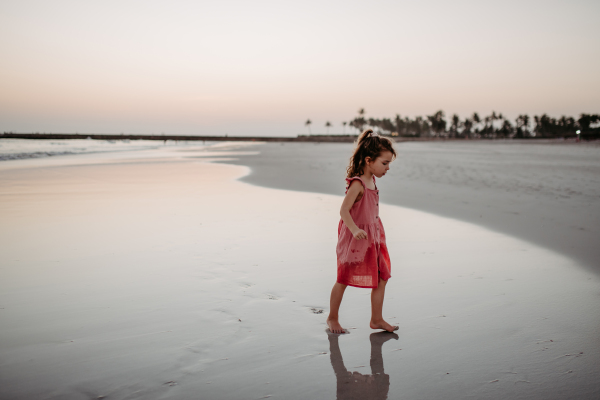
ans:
(359, 234)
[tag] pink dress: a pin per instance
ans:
(362, 263)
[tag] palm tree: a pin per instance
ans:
(488, 129)
(476, 122)
(455, 124)
(438, 123)
(507, 129)
(344, 126)
(494, 117)
(373, 123)
(358, 123)
(522, 126)
(489, 124)
(418, 126)
(327, 125)
(307, 124)
(400, 124)
(467, 125)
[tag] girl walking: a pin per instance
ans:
(362, 256)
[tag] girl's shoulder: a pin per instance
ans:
(349, 182)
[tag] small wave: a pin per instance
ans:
(37, 154)
(18, 149)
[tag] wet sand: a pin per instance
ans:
(158, 275)
(547, 193)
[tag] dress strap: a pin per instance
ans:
(349, 182)
(374, 182)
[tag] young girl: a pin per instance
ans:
(362, 256)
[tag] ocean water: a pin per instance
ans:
(14, 149)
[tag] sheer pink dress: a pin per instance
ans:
(362, 263)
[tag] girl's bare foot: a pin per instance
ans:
(381, 324)
(334, 326)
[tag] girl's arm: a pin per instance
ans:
(353, 191)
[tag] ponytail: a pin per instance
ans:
(369, 144)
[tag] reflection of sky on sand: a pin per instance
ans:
(144, 151)
(118, 278)
(354, 385)
(16, 149)
(13, 149)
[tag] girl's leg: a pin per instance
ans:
(337, 293)
(377, 321)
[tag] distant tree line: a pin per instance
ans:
(491, 126)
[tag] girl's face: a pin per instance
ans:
(381, 165)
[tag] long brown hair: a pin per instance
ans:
(370, 146)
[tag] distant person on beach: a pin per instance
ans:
(362, 256)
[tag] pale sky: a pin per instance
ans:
(263, 67)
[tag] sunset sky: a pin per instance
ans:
(263, 67)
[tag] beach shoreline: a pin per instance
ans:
(545, 193)
(160, 274)
(300, 138)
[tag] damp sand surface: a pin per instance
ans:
(544, 192)
(160, 275)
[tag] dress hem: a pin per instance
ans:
(364, 287)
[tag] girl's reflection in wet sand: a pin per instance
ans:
(354, 385)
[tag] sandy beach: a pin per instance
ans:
(545, 192)
(165, 274)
